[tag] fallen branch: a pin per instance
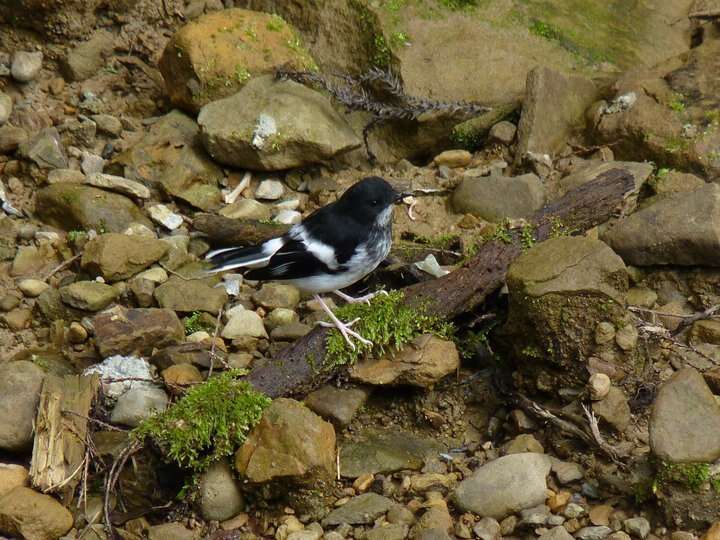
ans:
(303, 366)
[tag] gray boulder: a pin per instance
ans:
(20, 387)
(495, 198)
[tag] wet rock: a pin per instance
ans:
(246, 209)
(45, 149)
(26, 65)
(496, 198)
(338, 405)
(386, 452)
(685, 420)
(11, 138)
(19, 395)
(453, 158)
(593, 533)
(32, 287)
(12, 476)
(290, 441)
(6, 106)
(244, 324)
(87, 57)
(136, 331)
(270, 190)
(663, 234)
(614, 409)
(559, 291)
(422, 362)
(79, 207)
(359, 510)
(220, 496)
(138, 404)
(217, 54)
(297, 127)
(505, 486)
(170, 156)
(553, 108)
(119, 256)
(277, 295)
(639, 527)
(32, 515)
(118, 184)
(88, 295)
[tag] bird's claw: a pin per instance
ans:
(361, 299)
(346, 331)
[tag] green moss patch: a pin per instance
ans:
(210, 422)
(387, 322)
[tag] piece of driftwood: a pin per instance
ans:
(236, 232)
(303, 365)
(60, 432)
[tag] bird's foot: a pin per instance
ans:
(366, 298)
(344, 328)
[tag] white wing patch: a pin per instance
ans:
(322, 251)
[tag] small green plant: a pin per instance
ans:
(466, 137)
(381, 51)
(387, 322)
(241, 74)
(676, 103)
(195, 323)
(210, 422)
(527, 237)
(251, 33)
(276, 23)
(394, 5)
(545, 30)
(502, 232)
(75, 235)
(558, 229)
(459, 4)
(295, 44)
(692, 475)
(399, 38)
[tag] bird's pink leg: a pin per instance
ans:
(344, 328)
(352, 300)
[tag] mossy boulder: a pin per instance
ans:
(560, 290)
(75, 206)
(171, 158)
(215, 55)
(272, 125)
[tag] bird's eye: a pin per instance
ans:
(374, 203)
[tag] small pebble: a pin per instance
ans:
(77, 333)
(599, 386)
(6, 106)
(270, 190)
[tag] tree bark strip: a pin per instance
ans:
(303, 366)
(236, 232)
(60, 431)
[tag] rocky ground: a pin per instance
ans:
(579, 400)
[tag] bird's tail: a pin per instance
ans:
(237, 257)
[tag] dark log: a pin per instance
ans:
(303, 366)
(236, 232)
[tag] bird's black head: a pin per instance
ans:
(370, 199)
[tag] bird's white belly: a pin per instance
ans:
(326, 282)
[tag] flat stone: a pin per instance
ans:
(28, 514)
(164, 216)
(360, 510)
(108, 124)
(505, 486)
(88, 295)
(290, 331)
(277, 295)
(495, 198)
(453, 158)
(45, 149)
(138, 404)
(246, 209)
(32, 287)
(671, 231)
(593, 533)
(386, 452)
(556, 533)
(19, 395)
(338, 405)
(685, 420)
(117, 256)
(118, 184)
(422, 362)
(188, 296)
(136, 331)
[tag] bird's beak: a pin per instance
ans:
(401, 195)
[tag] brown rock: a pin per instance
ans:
(600, 514)
(614, 409)
(422, 362)
(136, 331)
(182, 375)
(32, 515)
(12, 476)
(338, 405)
(291, 442)
(119, 256)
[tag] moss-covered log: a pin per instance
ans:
(305, 365)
